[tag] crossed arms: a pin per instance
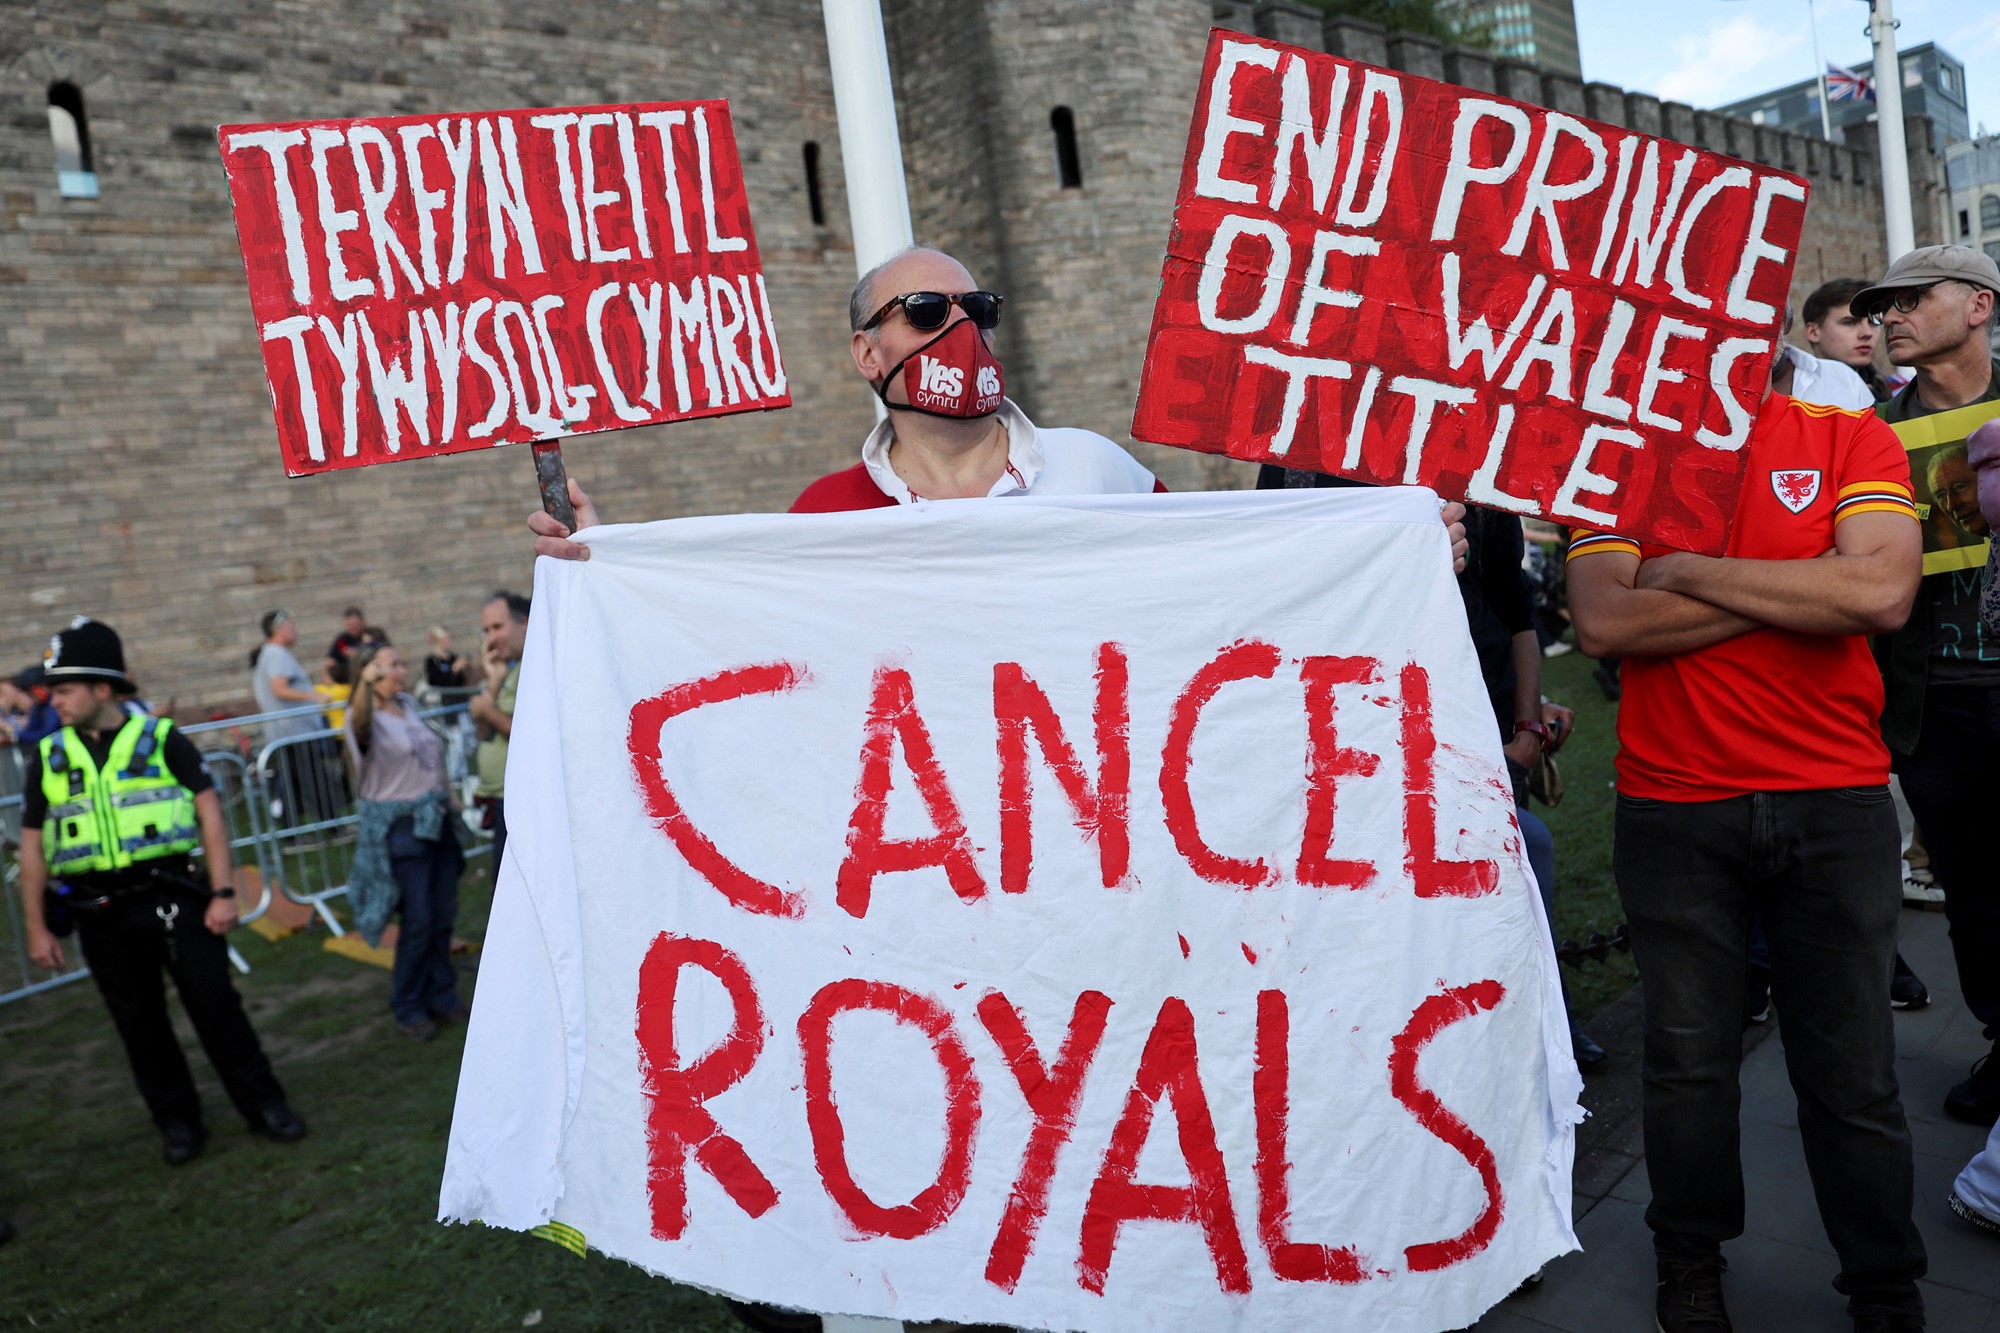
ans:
(1677, 603)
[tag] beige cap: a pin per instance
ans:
(1921, 268)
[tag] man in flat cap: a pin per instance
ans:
(1941, 718)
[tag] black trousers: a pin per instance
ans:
(126, 947)
(1820, 868)
(1950, 782)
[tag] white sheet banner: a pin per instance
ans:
(1083, 913)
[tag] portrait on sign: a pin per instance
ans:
(1956, 535)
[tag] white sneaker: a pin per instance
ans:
(1922, 892)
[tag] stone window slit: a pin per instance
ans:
(1069, 169)
(815, 201)
(69, 128)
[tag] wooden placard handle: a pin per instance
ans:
(554, 483)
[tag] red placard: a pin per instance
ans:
(1398, 280)
(433, 284)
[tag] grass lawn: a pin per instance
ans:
(1586, 897)
(332, 1233)
(337, 1232)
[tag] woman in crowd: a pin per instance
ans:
(407, 859)
(443, 669)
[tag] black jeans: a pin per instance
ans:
(1820, 868)
(126, 947)
(1949, 783)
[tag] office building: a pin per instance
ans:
(1543, 31)
(1933, 87)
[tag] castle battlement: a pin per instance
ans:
(1844, 217)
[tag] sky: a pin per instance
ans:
(1708, 52)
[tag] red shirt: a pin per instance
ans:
(839, 492)
(852, 488)
(1772, 709)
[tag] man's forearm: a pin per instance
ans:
(34, 877)
(487, 716)
(214, 839)
(1834, 594)
(1643, 622)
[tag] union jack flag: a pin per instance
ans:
(1845, 86)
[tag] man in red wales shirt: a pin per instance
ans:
(1752, 778)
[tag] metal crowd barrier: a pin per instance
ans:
(289, 804)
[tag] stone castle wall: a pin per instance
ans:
(138, 475)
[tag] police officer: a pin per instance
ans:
(116, 806)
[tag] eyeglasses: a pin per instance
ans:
(1905, 300)
(929, 310)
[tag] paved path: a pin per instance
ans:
(1781, 1270)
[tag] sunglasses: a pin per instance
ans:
(929, 310)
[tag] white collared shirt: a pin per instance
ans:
(1041, 460)
(1827, 383)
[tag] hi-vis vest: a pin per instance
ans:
(131, 812)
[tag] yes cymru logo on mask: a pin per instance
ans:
(953, 375)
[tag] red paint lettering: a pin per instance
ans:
(1103, 815)
(1327, 761)
(643, 741)
(1168, 1067)
(677, 1123)
(1052, 1096)
(935, 1203)
(1271, 1094)
(1244, 660)
(1434, 878)
(1433, 1016)
(893, 717)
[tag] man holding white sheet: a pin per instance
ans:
(922, 336)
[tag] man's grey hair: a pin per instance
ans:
(861, 302)
(1934, 469)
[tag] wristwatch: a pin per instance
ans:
(224, 892)
(1535, 727)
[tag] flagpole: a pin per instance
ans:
(871, 149)
(1898, 220)
(1819, 64)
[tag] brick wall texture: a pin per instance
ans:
(139, 476)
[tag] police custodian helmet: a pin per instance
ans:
(88, 651)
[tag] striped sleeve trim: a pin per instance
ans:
(1598, 543)
(1856, 488)
(1829, 410)
(1873, 497)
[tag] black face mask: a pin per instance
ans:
(953, 375)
